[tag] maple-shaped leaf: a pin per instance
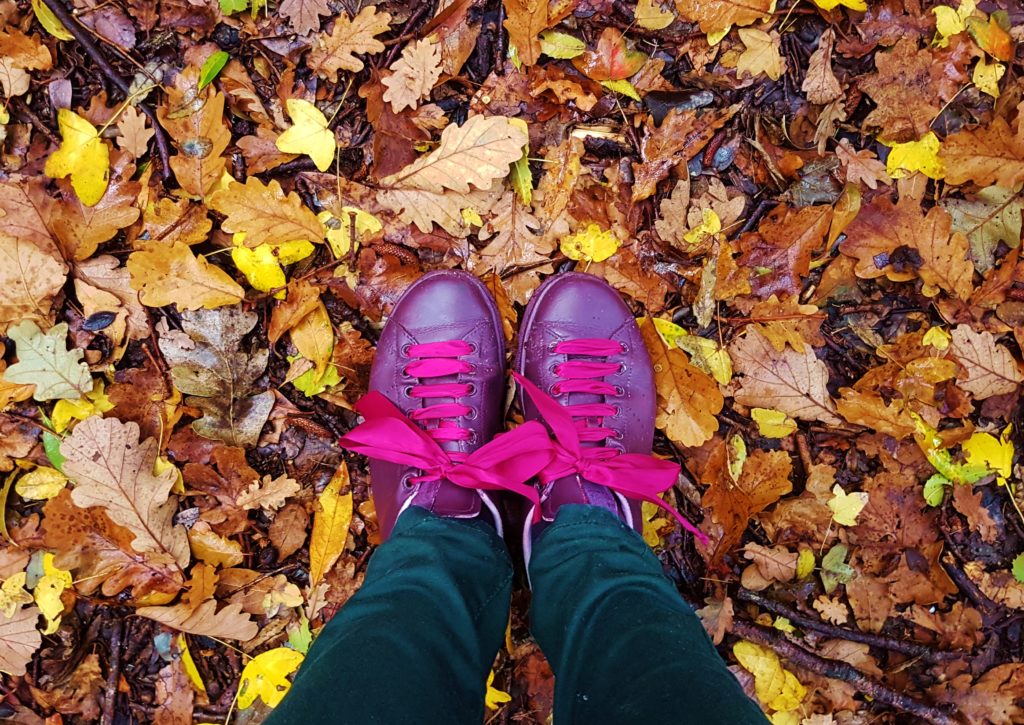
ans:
(716, 16)
(265, 214)
(304, 15)
(210, 364)
(19, 639)
(269, 494)
(820, 83)
(688, 400)
(30, 279)
(113, 470)
(198, 613)
(413, 75)
(732, 500)
(45, 361)
(194, 118)
(308, 134)
(761, 54)
(337, 51)
(988, 154)
(83, 155)
(991, 368)
(101, 555)
(611, 60)
(172, 274)
(525, 20)
(795, 383)
(779, 253)
(471, 155)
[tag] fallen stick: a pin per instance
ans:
(79, 33)
(842, 671)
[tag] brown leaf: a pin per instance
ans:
(716, 618)
(210, 547)
(871, 601)
(991, 368)
(688, 400)
(831, 610)
(718, 15)
(862, 166)
(222, 484)
(81, 229)
(134, 136)
(19, 639)
(165, 275)
(999, 586)
(524, 21)
(304, 15)
(265, 213)
(195, 120)
(992, 699)
(413, 75)
(288, 531)
(174, 695)
(968, 501)
(820, 84)
(112, 469)
(986, 155)
(302, 298)
(78, 694)
(173, 220)
(145, 396)
(789, 381)
(101, 554)
(338, 50)
(30, 279)
(104, 276)
(269, 495)
(780, 252)
(869, 409)
(775, 563)
(198, 613)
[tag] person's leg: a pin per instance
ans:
(416, 642)
(624, 647)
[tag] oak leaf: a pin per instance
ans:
(992, 216)
(985, 155)
(716, 16)
(862, 166)
(795, 383)
(103, 275)
(991, 368)
(413, 75)
(869, 409)
(19, 639)
(134, 136)
(820, 84)
(688, 400)
(30, 279)
(269, 495)
(304, 15)
(165, 275)
(101, 554)
(348, 37)
(112, 469)
(265, 213)
(525, 20)
(197, 613)
(81, 228)
(45, 361)
(210, 547)
(779, 253)
(195, 120)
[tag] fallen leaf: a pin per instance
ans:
(349, 37)
(524, 21)
(304, 15)
(820, 83)
(862, 166)
(83, 155)
(210, 547)
(593, 244)
(716, 16)
(262, 265)
(265, 213)
(651, 14)
(165, 275)
(772, 423)
(992, 216)
(266, 676)
(760, 55)
(330, 526)
(269, 495)
(846, 506)
(991, 368)
(134, 136)
(45, 361)
(41, 484)
(985, 155)
(309, 134)
(777, 687)
(19, 639)
(413, 75)
(199, 615)
(195, 120)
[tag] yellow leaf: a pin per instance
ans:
(83, 155)
(47, 593)
(212, 548)
(708, 356)
(624, 87)
(716, 37)
(995, 454)
(472, 218)
(13, 594)
(709, 226)
(772, 423)
(190, 665)
(858, 5)
(308, 134)
(937, 338)
(761, 54)
(261, 265)
(330, 526)
(805, 564)
(592, 244)
(907, 158)
(41, 484)
(495, 698)
(49, 21)
(560, 45)
(846, 507)
(338, 230)
(651, 15)
(653, 523)
(785, 718)
(670, 332)
(266, 676)
(986, 76)
(951, 22)
(783, 625)
(95, 402)
(314, 337)
(776, 687)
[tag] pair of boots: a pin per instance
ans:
(434, 414)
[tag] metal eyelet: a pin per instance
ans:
(407, 482)
(618, 412)
(624, 346)
(618, 434)
(472, 348)
(472, 414)
(405, 349)
(407, 391)
(471, 390)
(622, 368)
(619, 390)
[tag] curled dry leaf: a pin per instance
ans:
(209, 364)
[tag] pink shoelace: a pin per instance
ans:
(504, 463)
(633, 475)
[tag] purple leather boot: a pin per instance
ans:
(434, 409)
(585, 372)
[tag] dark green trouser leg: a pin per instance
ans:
(625, 648)
(416, 642)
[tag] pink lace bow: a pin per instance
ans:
(505, 463)
(634, 475)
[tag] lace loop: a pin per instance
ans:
(440, 360)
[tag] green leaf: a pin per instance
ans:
(51, 445)
(522, 180)
(624, 87)
(1018, 567)
(935, 489)
(560, 45)
(45, 361)
(299, 636)
(834, 569)
(212, 68)
(233, 6)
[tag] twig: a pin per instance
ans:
(873, 640)
(37, 122)
(84, 39)
(413, 20)
(842, 671)
(110, 697)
